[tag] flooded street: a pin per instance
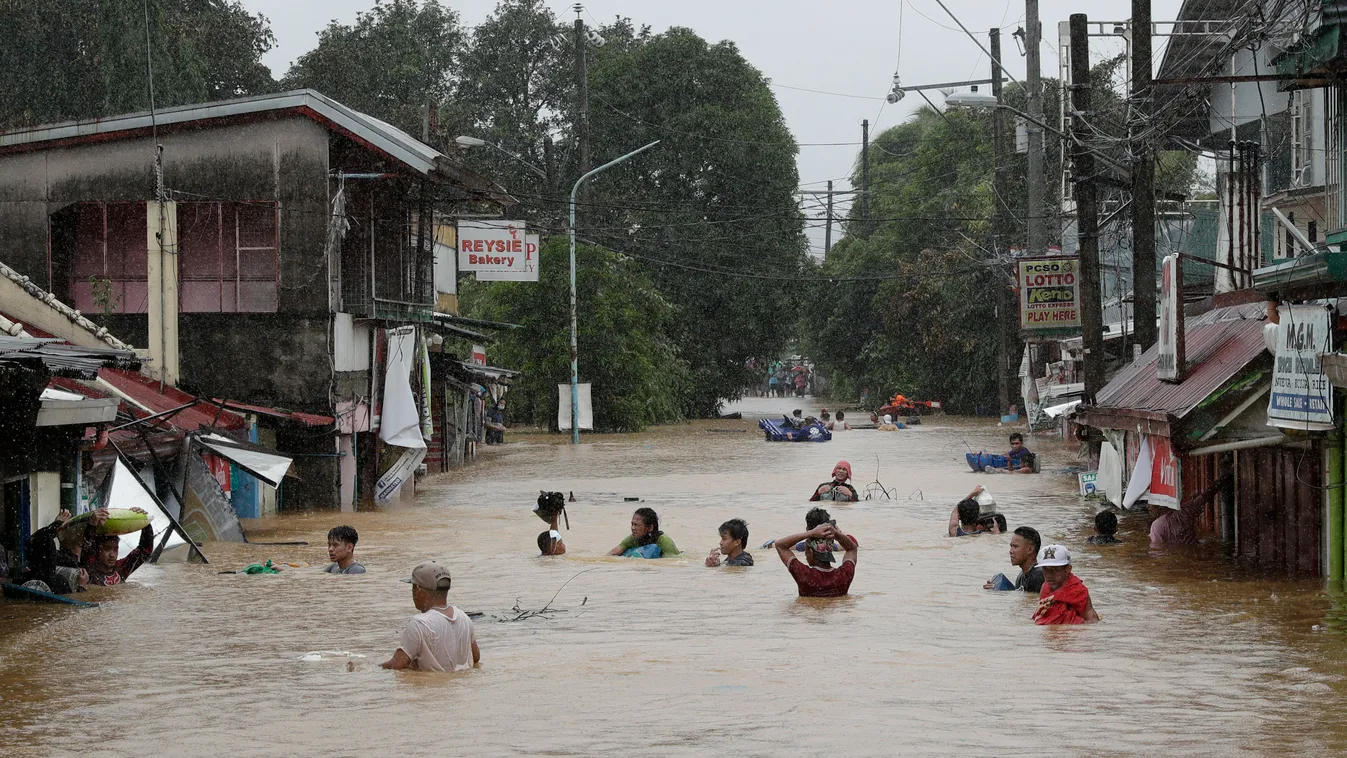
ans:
(1193, 657)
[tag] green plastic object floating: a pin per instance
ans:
(120, 521)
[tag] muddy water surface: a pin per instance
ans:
(669, 657)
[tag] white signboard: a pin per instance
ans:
(1302, 397)
(564, 407)
(530, 272)
(497, 250)
(1089, 483)
(1169, 363)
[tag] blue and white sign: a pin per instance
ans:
(1302, 397)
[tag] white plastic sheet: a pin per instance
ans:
(401, 420)
(265, 466)
(123, 489)
(1140, 484)
(564, 407)
(1110, 481)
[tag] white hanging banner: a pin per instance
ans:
(1171, 357)
(400, 422)
(564, 407)
(393, 479)
(1302, 397)
(530, 272)
(1140, 483)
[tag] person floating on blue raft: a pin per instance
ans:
(1018, 460)
(795, 428)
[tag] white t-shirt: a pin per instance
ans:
(436, 642)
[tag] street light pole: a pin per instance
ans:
(575, 364)
(1037, 242)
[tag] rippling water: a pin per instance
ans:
(1194, 656)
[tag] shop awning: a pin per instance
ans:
(268, 467)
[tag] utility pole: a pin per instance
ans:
(1087, 211)
(828, 232)
(865, 176)
(1038, 243)
(581, 93)
(1143, 182)
(998, 284)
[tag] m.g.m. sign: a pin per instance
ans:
(1049, 293)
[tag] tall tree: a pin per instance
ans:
(87, 58)
(711, 212)
(393, 61)
(636, 374)
(515, 91)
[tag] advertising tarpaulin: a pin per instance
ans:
(1169, 364)
(1049, 293)
(497, 250)
(1164, 473)
(1302, 397)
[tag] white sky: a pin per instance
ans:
(845, 46)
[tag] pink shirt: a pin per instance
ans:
(1172, 528)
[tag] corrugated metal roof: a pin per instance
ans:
(62, 359)
(307, 419)
(1220, 345)
(144, 393)
(386, 138)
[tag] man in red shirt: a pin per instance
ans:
(1064, 598)
(819, 578)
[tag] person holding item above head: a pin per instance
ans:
(1064, 599)
(1105, 529)
(106, 570)
(837, 487)
(966, 519)
(646, 540)
(733, 536)
(549, 540)
(1024, 546)
(441, 637)
(341, 551)
(817, 577)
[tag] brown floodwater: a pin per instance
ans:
(1194, 655)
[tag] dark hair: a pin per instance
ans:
(1000, 521)
(736, 529)
(824, 415)
(841, 415)
(1031, 534)
(968, 510)
(545, 542)
(650, 519)
(343, 533)
(815, 517)
(1105, 522)
(797, 413)
(1017, 436)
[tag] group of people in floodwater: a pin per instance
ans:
(68, 556)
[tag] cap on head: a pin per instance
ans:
(888, 419)
(1054, 555)
(430, 576)
(822, 549)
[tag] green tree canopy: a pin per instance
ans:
(624, 349)
(82, 59)
(390, 63)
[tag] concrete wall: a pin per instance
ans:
(277, 358)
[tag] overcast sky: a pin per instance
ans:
(849, 47)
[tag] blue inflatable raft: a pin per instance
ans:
(784, 431)
(980, 462)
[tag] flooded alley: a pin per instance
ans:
(1193, 657)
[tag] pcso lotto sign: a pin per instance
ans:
(1049, 293)
(498, 251)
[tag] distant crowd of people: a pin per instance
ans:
(787, 379)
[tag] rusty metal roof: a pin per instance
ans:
(1220, 343)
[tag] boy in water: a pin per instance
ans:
(1105, 527)
(549, 540)
(1064, 598)
(341, 551)
(733, 535)
(104, 567)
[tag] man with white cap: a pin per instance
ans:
(440, 638)
(1064, 599)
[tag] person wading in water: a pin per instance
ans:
(837, 489)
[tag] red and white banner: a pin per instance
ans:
(1165, 470)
